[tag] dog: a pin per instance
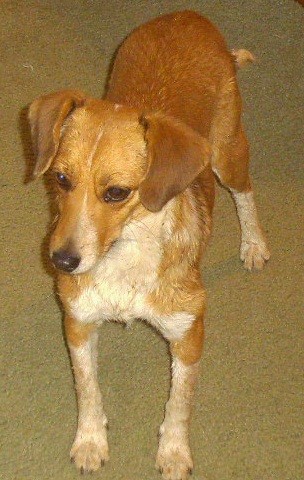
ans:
(134, 178)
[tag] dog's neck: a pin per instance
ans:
(139, 247)
(156, 240)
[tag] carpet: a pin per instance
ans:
(248, 420)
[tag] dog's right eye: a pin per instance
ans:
(63, 181)
(116, 194)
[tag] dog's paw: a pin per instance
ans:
(254, 255)
(90, 455)
(174, 461)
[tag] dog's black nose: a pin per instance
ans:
(64, 260)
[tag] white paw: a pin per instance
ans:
(254, 255)
(174, 460)
(89, 455)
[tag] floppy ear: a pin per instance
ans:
(46, 116)
(176, 155)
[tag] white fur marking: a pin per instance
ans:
(90, 446)
(93, 151)
(174, 455)
(85, 239)
(125, 276)
(254, 251)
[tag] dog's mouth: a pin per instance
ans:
(68, 260)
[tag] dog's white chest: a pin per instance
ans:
(121, 286)
(116, 292)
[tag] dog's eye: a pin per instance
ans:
(63, 181)
(116, 194)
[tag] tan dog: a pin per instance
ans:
(135, 188)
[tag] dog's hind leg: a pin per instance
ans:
(90, 447)
(254, 251)
(230, 163)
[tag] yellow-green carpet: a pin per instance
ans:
(248, 421)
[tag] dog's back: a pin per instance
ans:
(176, 64)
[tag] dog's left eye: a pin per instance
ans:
(116, 194)
(63, 181)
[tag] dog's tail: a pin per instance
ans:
(242, 57)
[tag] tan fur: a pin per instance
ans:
(189, 348)
(46, 117)
(242, 57)
(177, 153)
(170, 119)
(76, 333)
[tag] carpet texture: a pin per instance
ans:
(247, 424)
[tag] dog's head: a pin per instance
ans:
(108, 164)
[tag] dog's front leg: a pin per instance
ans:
(90, 447)
(174, 456)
